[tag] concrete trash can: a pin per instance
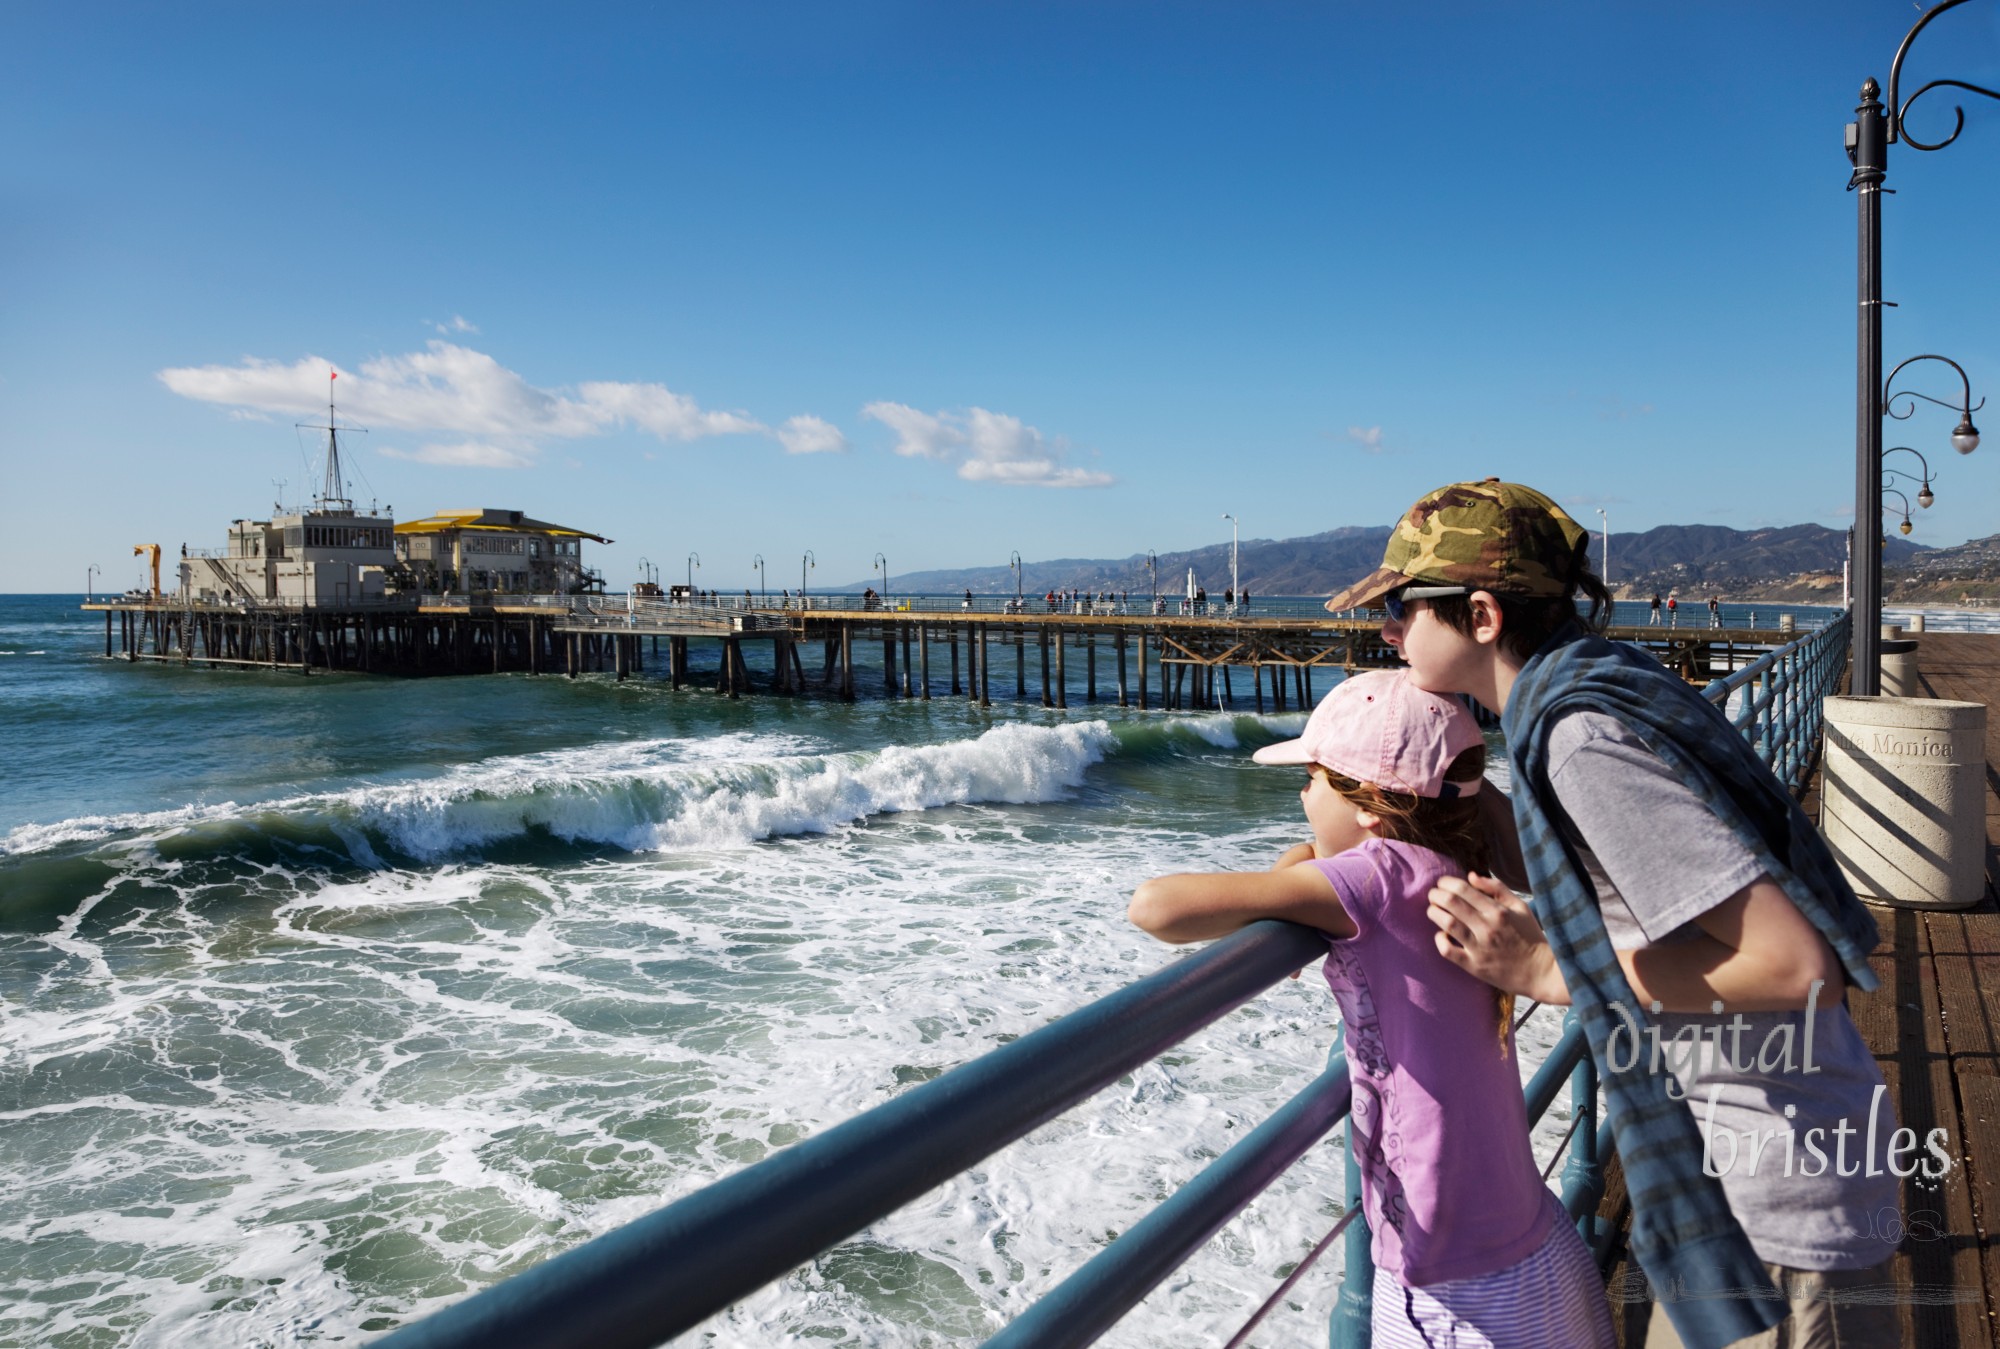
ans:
(1903, 799)
(1788, 623)
(1899, 669)
(1916, 623)
(1891, 631)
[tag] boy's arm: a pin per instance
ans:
(1201, 907)
(1757, 952)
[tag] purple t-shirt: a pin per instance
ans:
(1448, 1180)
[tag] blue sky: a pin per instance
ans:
(946, 281)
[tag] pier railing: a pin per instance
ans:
(665, 1273)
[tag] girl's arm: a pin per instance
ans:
(1203, 906)
(1292, 856)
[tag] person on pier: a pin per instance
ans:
(1682, 901)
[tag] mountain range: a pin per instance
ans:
(1740, 563)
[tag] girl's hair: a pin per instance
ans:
(1451, 827)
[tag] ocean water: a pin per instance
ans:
(325, 1001)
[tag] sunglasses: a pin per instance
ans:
(1398, 604)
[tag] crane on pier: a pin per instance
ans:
(153, 549)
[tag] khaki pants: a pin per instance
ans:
(1831, 1309)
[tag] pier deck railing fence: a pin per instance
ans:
(665, 1273)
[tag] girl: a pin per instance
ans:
(1470, 1248)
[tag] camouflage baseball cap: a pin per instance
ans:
(1490, 535)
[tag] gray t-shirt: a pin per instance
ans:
(1784, 1107)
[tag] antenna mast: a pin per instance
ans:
(333, 492)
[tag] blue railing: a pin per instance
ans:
(1780, 712)
(665, 1273)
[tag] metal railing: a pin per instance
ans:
(665, 1273)
(1779, 711)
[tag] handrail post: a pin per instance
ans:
(1352, 1323)
(1583, 1177)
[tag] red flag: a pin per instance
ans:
(332, 375)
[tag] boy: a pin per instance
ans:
(1690, 913)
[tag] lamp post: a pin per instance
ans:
(1604, 522)
(89, 583)
(1014, 561)
(882, 565)
(763, 587)
(694, 560)
(807, 561)
(1153, 569)
(1235, 589)
(1905, 526)
(1924, 494)
(1875, 128)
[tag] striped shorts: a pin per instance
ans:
(1551, 1299)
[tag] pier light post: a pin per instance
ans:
(1604, 525)
(1905, 526)
(804, 562)
(763, 587)
(1235, 586)
(1875, 128)
(1924, 494)
(694, 560)
(1153, 570)
(882, 565)
(1014, 561)
(89, 582)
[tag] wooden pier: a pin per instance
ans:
(1148, 661)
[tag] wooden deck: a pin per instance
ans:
(1934, 1025)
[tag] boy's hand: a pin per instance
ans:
(1486, 930)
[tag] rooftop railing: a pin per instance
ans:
(665, 1273)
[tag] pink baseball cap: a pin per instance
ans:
(1376, 726)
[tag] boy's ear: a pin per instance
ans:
(1487, 619)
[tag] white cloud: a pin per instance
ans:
(918, 434)
(465, 454)
(461, 392)
(988, 446)
(658, 409)
(457, 324)
(1369, 438)
(811, 435)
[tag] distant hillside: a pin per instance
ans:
(1969, 570)
(1736, 562)
(1268, 567)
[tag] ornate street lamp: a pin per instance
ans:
(882, 565)
(1153, 569)
(1014, 561)
(1905, 526)
(694, 560)
(763, 587)
(1924, 494)
(1869, 137)
(807, 561)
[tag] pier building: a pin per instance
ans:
(503, 552)
(329, 556)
